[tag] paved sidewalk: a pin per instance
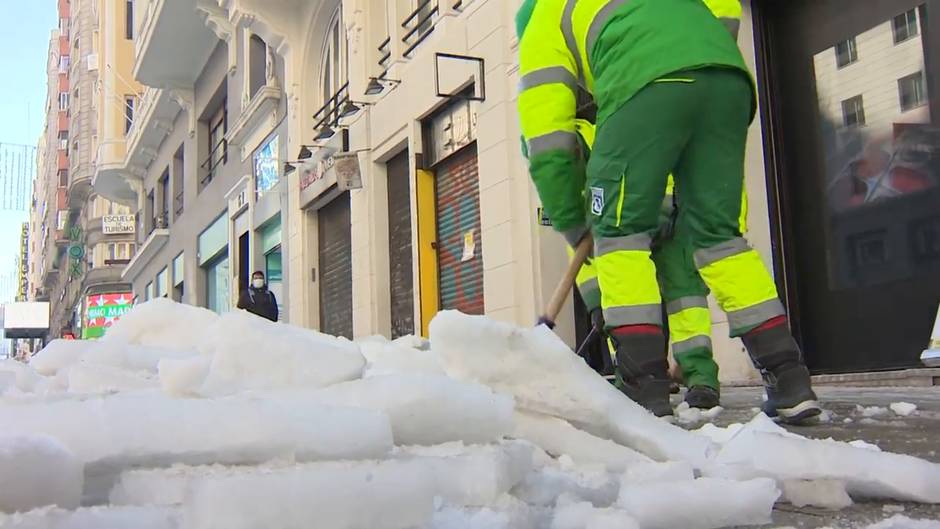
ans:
(917, 434)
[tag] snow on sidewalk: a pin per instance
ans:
(181, 419)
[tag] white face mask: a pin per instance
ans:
(257, 283)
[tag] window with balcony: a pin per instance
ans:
(905, 26)
(911, 91)
(218, 149)
(129, 20)
(63, 101)
(130, 102)
(64, 140)
(63, 178)
(164, 212)
(419, 24)
(853, 112)
(334, 74)
(64, 63)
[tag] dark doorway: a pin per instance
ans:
(244, 274)
(335, 274)
(401, 269)
(850, 106)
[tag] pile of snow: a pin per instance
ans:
(37, 471)
(182, 419)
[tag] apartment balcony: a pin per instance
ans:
(79, 185)
(109, 178)
(145, 253)
(63, 121)
(173, 43)
(154, 116)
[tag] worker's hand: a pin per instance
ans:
(597, 319)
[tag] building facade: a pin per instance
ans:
(365, 154)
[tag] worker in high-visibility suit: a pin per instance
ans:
(683, 292)
(674, 96)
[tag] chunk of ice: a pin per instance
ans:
(903, 522)
(585, 516)
(867, 473)
(87, 378)
(398, 357)
(95, 518)
(507, 513)
(252, 353)
(871, 411)
(825, 493)
(183, 377)
(37, 471)
(668, 472)
(544, 486)
(704, 503)
(25, 378)
(558, 437)
(429, 409)
(903, 408)
(395, 494)
(59, 354)
(162, 323)
(545, 376)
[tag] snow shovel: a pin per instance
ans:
(564, 287)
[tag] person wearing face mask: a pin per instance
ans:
(257, 299)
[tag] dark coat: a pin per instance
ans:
(259, 301)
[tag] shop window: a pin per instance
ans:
(905, 26)
(846, 52)
(853, 112)
(911, 91)
(217, 285)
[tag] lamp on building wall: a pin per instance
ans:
(351, 108)
(325, 133)
(377, 85)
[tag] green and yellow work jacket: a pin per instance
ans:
(612, 48)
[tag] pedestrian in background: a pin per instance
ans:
(257, 299)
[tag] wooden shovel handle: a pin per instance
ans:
(564, 287)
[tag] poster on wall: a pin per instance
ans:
(267, 172)
(102, 310)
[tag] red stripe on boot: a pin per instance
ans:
(769, 324)
(628, 330)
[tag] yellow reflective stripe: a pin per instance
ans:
(633, 315)
(742, 219)
(739, 281)
(587, 130)
(545, 109)
(627, 278)
(623, 182)
(689, 323)
(725, 8)
(686, 346)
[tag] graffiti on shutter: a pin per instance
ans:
(401, 279)
(458, 221)
(335, 279)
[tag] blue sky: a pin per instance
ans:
(24, 40)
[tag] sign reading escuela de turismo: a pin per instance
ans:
(118, 224)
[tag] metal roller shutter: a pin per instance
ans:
(401, 279)
(460, 256)
(335, 249)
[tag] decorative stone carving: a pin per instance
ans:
(186, 100)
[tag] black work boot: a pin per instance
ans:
(643, 370)
(790, 396)
(702, 397)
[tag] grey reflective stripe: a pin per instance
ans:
(747, 319)
(635, 315)
(553, 74)
(707, 256)
(600, 20)
(567, 30)
(695, 342)
(688, 302)
(555, 140)
(606, 245)
(574, 235)
(591, 285)
(733, 25)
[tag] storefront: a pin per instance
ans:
(213, 258)
(853, 161)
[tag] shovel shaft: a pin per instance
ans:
(557, 301)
